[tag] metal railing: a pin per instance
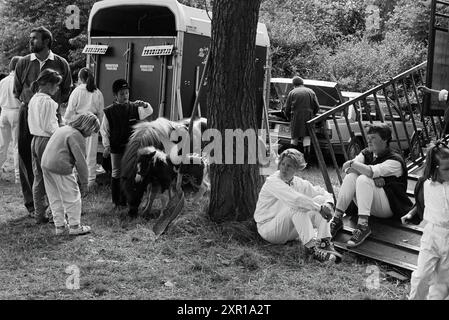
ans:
(396, 102)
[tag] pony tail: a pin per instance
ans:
(88, 77)
(35, 86)
(428, 170)
(90, 82)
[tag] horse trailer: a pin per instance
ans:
(160, 47)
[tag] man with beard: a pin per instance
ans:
(27, 71)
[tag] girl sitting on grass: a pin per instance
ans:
(66, 150)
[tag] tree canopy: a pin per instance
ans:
(355, 42)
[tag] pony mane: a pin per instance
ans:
(146, 134)
(158, 154)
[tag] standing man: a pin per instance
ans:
(301, 106)
(9, 117)
(27, 71)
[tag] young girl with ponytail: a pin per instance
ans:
(42, 121)
(431, 278)
(87, 98)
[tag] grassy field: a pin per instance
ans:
(194, 259)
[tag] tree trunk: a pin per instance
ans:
(232, 104)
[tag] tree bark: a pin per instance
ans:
(232, 104)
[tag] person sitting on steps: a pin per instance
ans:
(376, 179)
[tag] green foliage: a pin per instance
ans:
(359, 65)
(19, 17)
(320, 39)
(411, 17)
(329, 40)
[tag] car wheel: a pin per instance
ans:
(354, 147)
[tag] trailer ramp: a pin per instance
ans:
(390, 242)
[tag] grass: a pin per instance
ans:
(194, 259)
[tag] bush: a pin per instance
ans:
(361, 65)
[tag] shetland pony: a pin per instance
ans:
(156, 133)
(155, 169)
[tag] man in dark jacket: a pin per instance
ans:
(301, 106)
(377, 181)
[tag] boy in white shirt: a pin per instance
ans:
(116, 129)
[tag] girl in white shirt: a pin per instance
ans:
(431, 278)
(289, 208)
(87, 98)
(42, 121)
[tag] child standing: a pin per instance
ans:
(87, 98)
(431, 278)
(116, 128)
(66, 150)
(42, 121)
(9, 117)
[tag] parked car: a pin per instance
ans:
(329, 96)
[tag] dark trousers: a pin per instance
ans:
(38, 145)
(25, 163)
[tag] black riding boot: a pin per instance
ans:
(115, 191)
(307, 155)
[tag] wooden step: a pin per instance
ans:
(390, 242)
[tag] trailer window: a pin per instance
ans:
(133, 21)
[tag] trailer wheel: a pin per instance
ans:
(354, 147)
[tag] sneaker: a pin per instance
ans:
(79, 230)
(321, 255)
(359, 235)
(60, 230)
(336, 225)
(327, 246)
(41, 219)
(92, 186)
(49, 216)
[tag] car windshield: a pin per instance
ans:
(369, 107)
